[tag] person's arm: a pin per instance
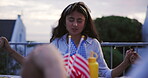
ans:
(19, 58)
(5, 46)
(119, 69)
(127, 61)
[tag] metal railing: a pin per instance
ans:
(22, 47)
(124, 45)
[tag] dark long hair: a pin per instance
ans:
(89, 29)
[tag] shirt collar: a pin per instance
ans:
(64, 37)
(89, 40)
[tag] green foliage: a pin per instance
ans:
(8, 65)
(3, 63)
(118, 29)
(117, 56)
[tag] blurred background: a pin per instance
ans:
(40, 16)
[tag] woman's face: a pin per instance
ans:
(75, 23)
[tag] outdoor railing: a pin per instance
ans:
(125, 46)
(23, 48)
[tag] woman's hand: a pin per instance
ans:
(4, 45)
(134, 57)
(131, 57)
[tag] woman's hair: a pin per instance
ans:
(89, 29)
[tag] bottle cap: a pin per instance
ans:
(92, 58)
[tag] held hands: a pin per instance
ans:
(4, 45)
(131, 57)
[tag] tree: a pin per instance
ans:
(118, 29)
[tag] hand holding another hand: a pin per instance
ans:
(134, 57)
(4, 45)
(131, 56)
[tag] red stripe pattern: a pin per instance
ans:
(76, 66)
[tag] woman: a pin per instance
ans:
(76, 26)
(76, 21)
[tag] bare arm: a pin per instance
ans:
(130, 54)
(19, 58)
(119, 69)
(5, 46)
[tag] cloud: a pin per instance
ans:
(44, 14)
